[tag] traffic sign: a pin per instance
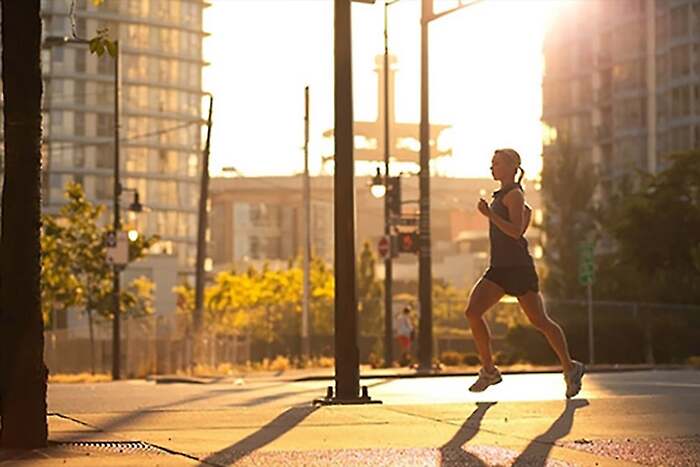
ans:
(118, 252)
(408, 242)
(384, 246)
(586, 263)
(110, 239)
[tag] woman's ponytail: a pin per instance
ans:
(522, 174)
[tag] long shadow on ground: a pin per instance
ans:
(265, 435)
(537, 452)
(451, 453)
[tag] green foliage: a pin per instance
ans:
(101, 43)
(448, 306)
(266, 303)
(656, 231)
(568, 186)
(75, 271)
(370, 294)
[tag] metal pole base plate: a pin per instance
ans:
(330, 400)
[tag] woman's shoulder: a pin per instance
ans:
(515, 193)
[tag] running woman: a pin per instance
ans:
(512, 272)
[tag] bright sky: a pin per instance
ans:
(485, 78)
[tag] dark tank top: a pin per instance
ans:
(506, 250)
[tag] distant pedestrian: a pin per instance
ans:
(512, 272)
(405, 333)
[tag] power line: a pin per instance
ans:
(69, 146)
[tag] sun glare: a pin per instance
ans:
(486, 70)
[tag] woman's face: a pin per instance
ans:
(502, 167)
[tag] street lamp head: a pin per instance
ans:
(136, 205)
(133, 235)
(377, 187)
(53, 41)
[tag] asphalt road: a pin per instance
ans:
(619, 418)
(136, 395)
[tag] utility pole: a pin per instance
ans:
(425, 286)
(347, 354)
(305, 344)
(116, 226)
(388, 266)
(197, 318)
(347, 364)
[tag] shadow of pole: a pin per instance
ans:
(265, 435)
(537, 452)
(451, 453)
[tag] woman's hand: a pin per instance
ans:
(483, 207)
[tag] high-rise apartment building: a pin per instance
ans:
(622, 82)
(161, 112)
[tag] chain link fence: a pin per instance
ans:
(149, 345)
(622, 332)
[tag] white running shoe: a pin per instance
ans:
(486, 379)
(573, 379)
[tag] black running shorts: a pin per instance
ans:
(514, 280)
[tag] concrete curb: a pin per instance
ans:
(433, 374)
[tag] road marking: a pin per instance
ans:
(646, 383)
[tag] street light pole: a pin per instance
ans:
(425, 286)
(347, 369)
(116, 226)
(305, 344)
(388, 265)
(425, 330)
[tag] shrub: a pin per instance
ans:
(374, 360)
(280, 363)
(451, 358)
(693, 361)
(505, 358)
(326, 362)
(471, 359)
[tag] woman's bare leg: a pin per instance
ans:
(533, 306)
(484, 295)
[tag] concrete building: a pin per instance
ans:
(161, 113)
(160, 122)
(622, 83)
(257, 220)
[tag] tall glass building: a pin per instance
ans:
(622, 83)
(161, 113)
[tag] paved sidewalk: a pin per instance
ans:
(619, 419)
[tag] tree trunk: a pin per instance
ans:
(23, 373)
(92, 341)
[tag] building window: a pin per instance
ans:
(105, 65)
(680, 61)
(80, 63)
(105, 157)
(679, 21)
(680, 101)
(103, 188)
(79, 123)
(79, 156)
(680, 139)
(105, 124)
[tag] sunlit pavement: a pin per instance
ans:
(645, 417)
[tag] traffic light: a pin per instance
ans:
(393, 194)
(407, 242)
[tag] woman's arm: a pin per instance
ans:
(519, 220)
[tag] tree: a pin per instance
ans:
(23, 374)
(656, 233)
(568, 185)
(370, 293)
(75, 271)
